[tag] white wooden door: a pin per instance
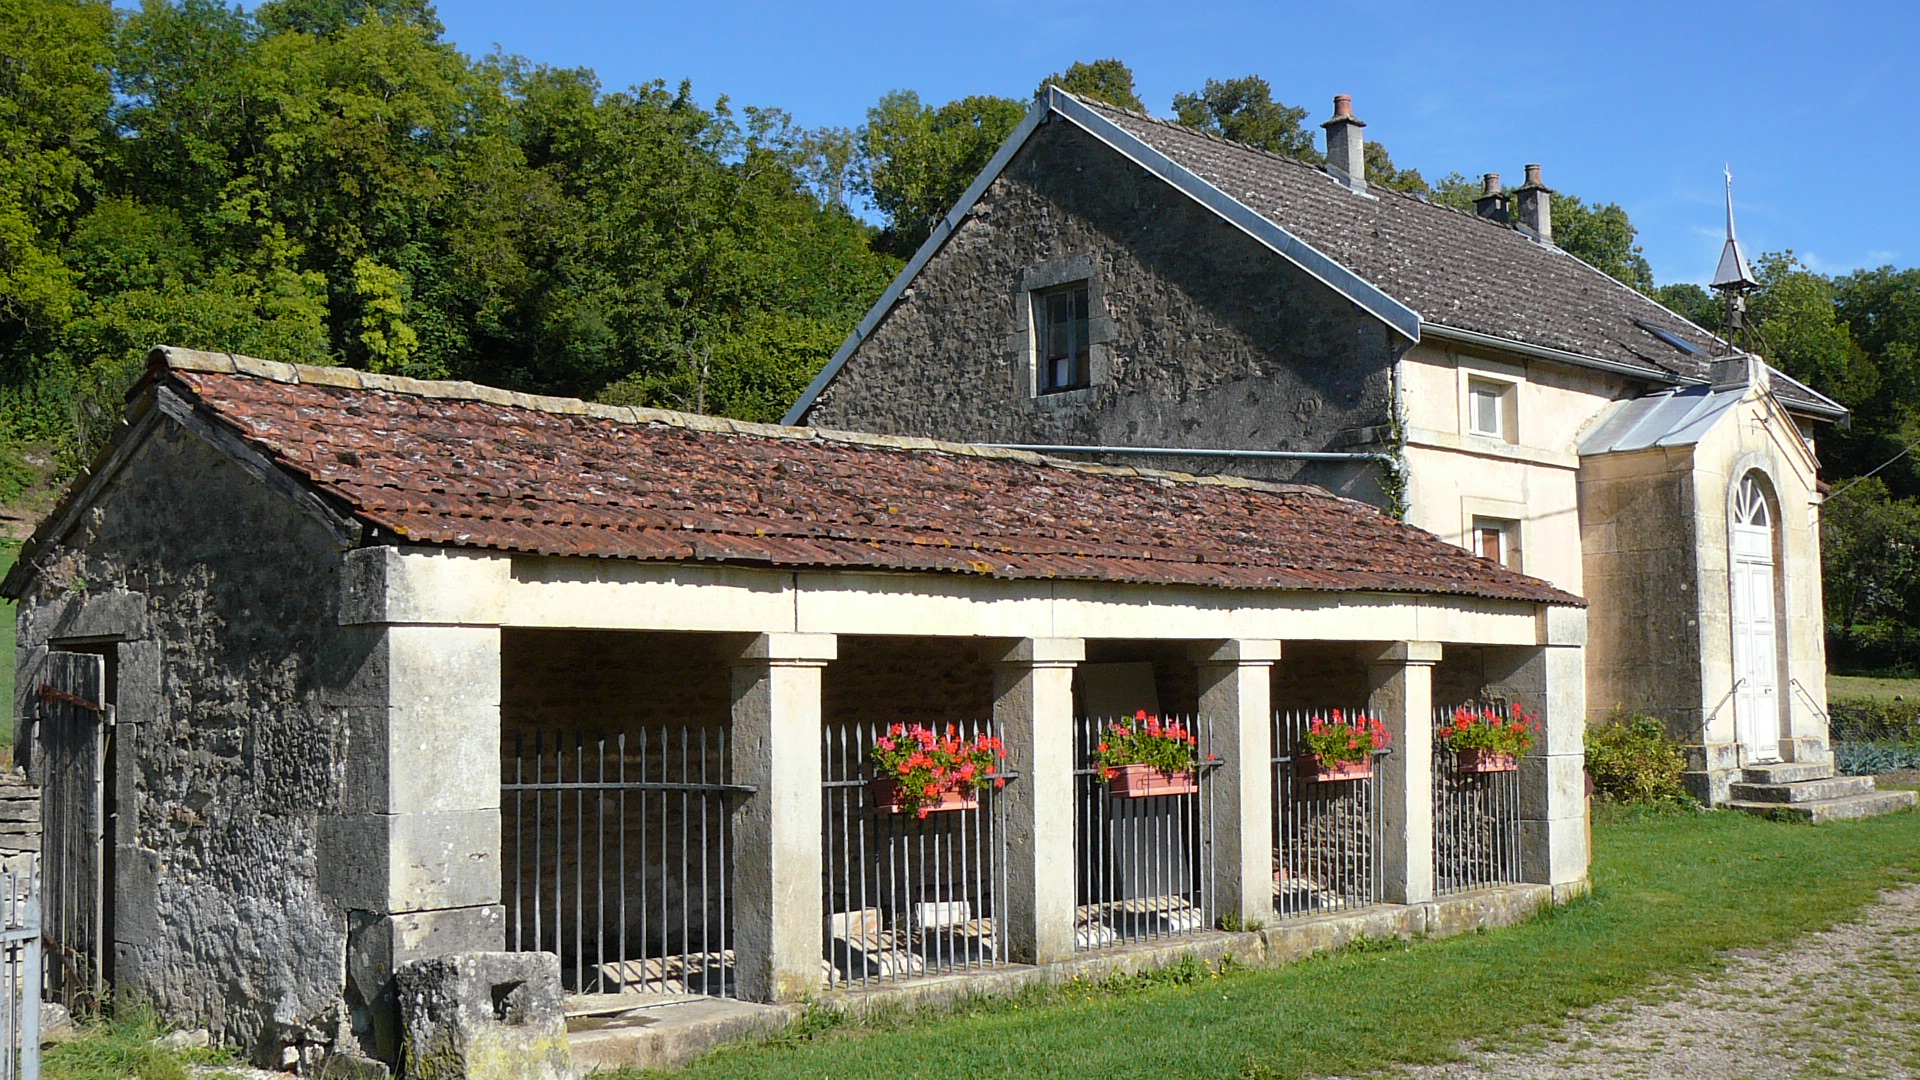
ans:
(1756, 663)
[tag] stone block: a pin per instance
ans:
(483, 1016)
(1552, 786)
(434, 666)
(379, 945)
(1562, 625)
(410, 759)
(400, 585)
(1299, 939)
(1485, 909)
(113, 613)
(411, 862)
(1554, 851)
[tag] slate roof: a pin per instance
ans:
(1455, 269)
(469, 466)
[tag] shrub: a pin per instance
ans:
(1872, 735)
(1631, 760)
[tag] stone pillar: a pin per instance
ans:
(1033, 704)
(1551, 680)
(414, 855)
(778, 919)
(1236, 690)
(1402, 696)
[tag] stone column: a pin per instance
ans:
(414, 855)
(1551, 680)
(1402, 680)
(1033, 704)
(1236, 691)
(778, 919)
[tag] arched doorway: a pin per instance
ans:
(1756, 630)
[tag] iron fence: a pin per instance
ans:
(20, 973)
(905, 895)
(1476, 819)
(1142, 864)
(1326, 832)
(617, 856)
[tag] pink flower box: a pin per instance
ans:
(1327, 773)
(886, 799)
(1142, 781)
(1484, 761)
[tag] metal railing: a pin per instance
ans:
(1476, 820)
(1326, 833)
(906, 896)
(20, 973)
(1141, 864)
(617, 856)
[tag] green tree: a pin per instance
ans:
(1603, 237)
(1244, 111)
(916, 161)
(1870, 555)
(1102, 80)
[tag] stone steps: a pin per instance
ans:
(1803, 791)
(1847, 807)
(1787, 772)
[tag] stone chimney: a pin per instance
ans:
(1492, 203)
(1533, 205)
(1346, 147)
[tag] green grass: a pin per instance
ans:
(1672, 892)
(1868, 687)
(122, 1048)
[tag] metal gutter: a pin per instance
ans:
(1542, 352)
(1175, 451)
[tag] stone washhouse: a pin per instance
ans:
(336, 681)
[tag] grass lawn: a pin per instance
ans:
(1671, 893)
(1863, 686)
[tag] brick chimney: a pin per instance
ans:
(1346, 147)
(1533, 205)
(1492, 202)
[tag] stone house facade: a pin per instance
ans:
(386, 670)
(1252, 314)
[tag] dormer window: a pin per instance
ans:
(1060, 325)
(1490, 409)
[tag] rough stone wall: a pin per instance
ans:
(229, 751)
(1320, 675)
(1204, 338)
(1640, 553)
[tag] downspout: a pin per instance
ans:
(1180, 451)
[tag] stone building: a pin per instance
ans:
(327, 672)
(1127, 290)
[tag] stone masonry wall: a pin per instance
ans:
(229, 750)
(1203, 337)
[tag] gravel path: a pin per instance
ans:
(1841, 1003)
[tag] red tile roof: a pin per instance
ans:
(469, 466)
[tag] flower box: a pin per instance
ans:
(1484, 761)
(888, 799)
(1330, 772)
(1143, 781)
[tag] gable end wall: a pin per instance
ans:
(1204, 337)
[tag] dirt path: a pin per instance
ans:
(1841, 1003)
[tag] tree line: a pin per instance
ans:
(332, 182)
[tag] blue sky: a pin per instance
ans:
(1815, 106)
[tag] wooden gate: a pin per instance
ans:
(74, 726)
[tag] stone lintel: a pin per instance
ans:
(1244, 651)
(1408, 653)
(1562, 626)
(788, 649)
(424, 585)
(1043, 652)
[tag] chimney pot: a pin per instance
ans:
(1533, 203)
(1346, 147)
(1492, 203)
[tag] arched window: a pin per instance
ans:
(1750, 502)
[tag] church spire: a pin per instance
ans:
(1733, 273)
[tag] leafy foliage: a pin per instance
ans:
(1632, 760)
(1102, 80)
(1603, 238)
(918, 160)
(1243, 110)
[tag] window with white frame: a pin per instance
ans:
(1060, 334)
(1490, 409)
(1497, 539)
